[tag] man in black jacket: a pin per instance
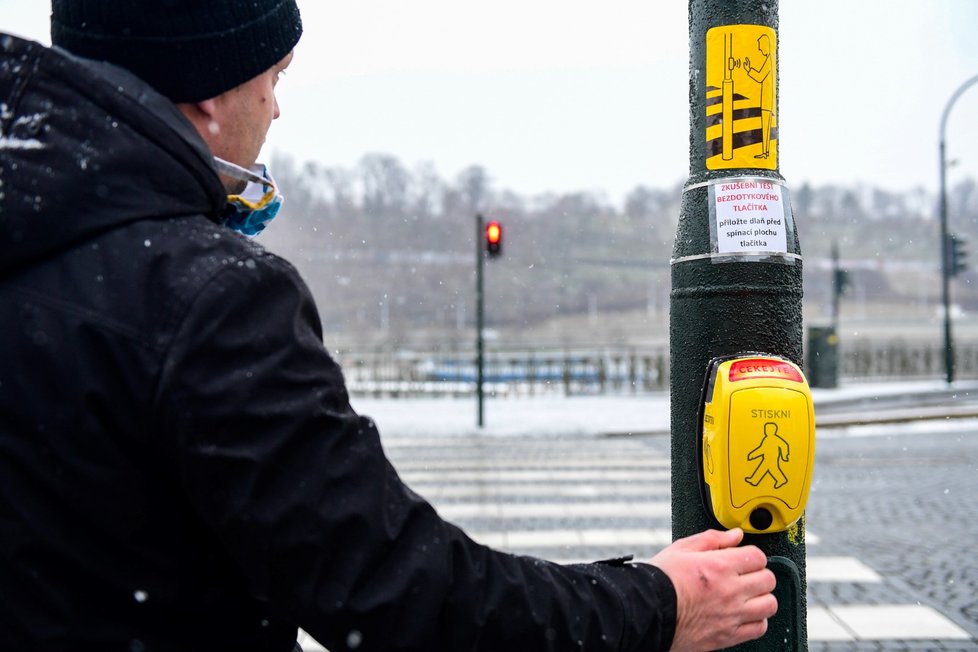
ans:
(180, 467)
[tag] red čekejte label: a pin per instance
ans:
(751, 368)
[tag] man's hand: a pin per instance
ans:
(723, 593)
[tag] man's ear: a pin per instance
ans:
(203, 110)
(207, 107)
(203, 116)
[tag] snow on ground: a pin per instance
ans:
(550, 416)
(557, 416)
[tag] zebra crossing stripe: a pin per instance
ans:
(488, 464)
(437, 492)
(502, 510)
(881, 622)
(537, 475)
(839, 569)
(517, 540)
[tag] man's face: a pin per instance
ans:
(243, 115)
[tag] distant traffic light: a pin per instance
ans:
(842, 282)
(956, 255)
(494, 239)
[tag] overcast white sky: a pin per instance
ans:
(561, 95)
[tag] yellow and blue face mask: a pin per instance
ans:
(250, 211)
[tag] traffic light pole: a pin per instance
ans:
(736, 283)
(945, 239)
(945, 267)
(480, 263)
(838, 287)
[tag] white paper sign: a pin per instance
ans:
(750, 217)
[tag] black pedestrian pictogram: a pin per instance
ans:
(771, 451)
(762, 74)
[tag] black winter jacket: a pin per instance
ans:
(180, 468)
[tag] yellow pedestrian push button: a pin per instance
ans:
(758, 442)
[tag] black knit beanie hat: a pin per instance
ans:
(189, 50)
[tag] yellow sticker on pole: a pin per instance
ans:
(741, 97)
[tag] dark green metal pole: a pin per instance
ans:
(946, 262)
(733, 292)
(479, 316)
(837, 288)
(945, 239)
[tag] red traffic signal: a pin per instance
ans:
(494, 238)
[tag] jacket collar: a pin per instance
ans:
(86, 147)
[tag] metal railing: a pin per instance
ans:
(604, 370)
(524, 372)
(868, 360)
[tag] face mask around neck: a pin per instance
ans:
(250, 211)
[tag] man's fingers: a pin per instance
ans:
(711, 540)
(741, 560)
(746, 559)
(760, 608)
(758, 583)
(750, 631)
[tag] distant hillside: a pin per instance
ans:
(389, 252)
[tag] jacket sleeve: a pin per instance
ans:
(297, 486)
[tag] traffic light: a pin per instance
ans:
(842, 282)
(494, 239)
(956, 255)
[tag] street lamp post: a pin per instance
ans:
(945, 240)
